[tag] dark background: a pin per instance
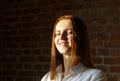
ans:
(26, 29)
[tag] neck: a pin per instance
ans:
(66, 63)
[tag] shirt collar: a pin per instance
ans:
(79, 68)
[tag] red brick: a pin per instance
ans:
(27, 73)
(46, 37)
(10, 6)
(112, 77)
(115, 69)
(43, 59)
(103, 51)
(27, 4)
(28, 66)
(38, 66)
(2, 78)
(115, 36)
(26, 26)
(7, 72)
(40, 73)
(10, 79)
(27, 52)
(96, 43)
(112, 28)
(103, 36)
(18, 12)
(11, 19)
(46, 52)
(93, 27)
(44, 2)
(45, 30)
(45, 67)
(19, 66)
(24, 78)
(7, 66)
(27, 31)
(34, 24)
(28, 18)
(112, 60)
(36, 38)
(8, 59)
(92, 36)
(27, 59)
(115, 52)
(8, 13)
(98, 60)
(112, 44)
(36, 52)
(44, 44)
(28, 45)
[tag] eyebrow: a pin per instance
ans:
(59, 30)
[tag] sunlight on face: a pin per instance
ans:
(64, 36)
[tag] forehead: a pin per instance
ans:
(64, 24)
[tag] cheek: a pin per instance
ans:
(71, 38)
(55, 40)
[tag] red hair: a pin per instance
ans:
(80, 46)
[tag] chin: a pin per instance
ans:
(64, 52)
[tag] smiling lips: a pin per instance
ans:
(63, 43)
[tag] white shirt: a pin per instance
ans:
(78, 73)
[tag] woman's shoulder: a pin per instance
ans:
(95, 74)
(88, 70)
(46, 77)
(94, 70)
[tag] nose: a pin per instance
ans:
(64, 36)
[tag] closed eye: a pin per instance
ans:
(70, 32)
(57, 33)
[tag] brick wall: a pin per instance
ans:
(26, 28)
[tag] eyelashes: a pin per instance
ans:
(58, 33)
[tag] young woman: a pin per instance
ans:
(70, 55)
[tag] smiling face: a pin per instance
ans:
(64, 36)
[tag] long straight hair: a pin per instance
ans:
(80, 46)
